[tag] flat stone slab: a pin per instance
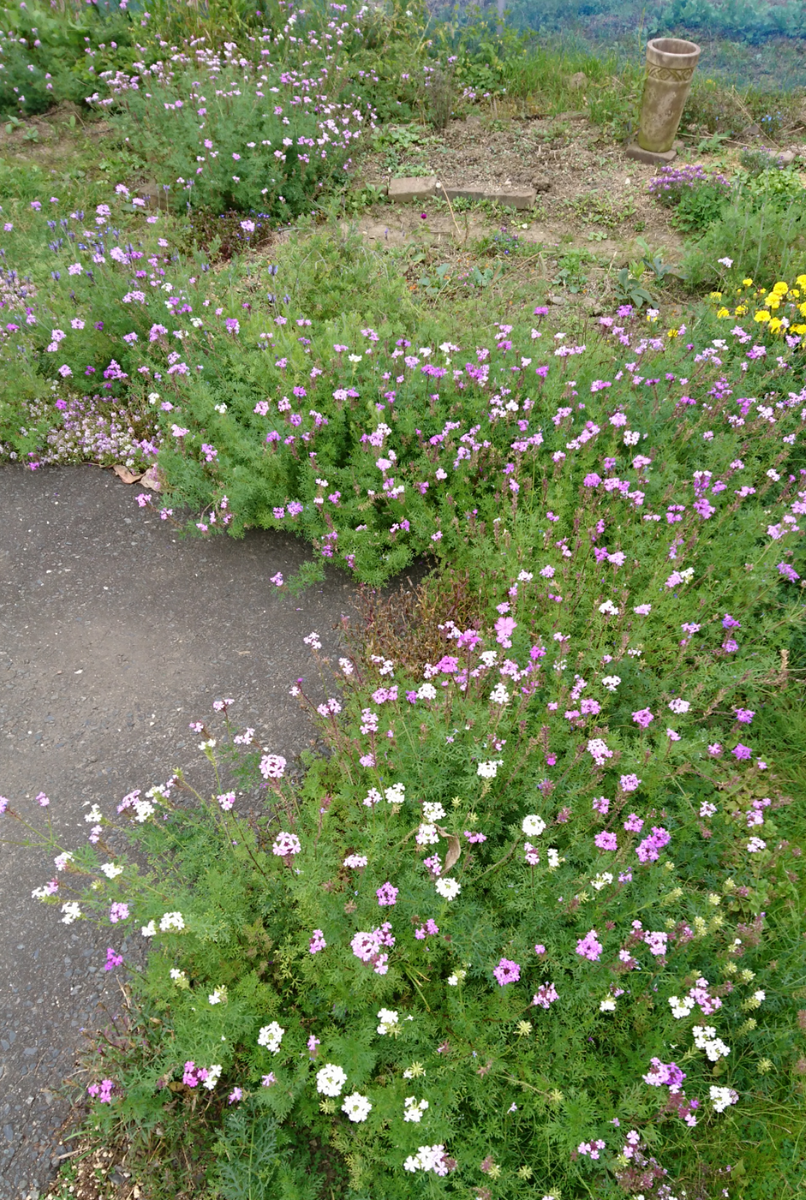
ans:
(412, 187)
(650, 156)
(522, 197)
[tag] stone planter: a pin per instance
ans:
(670, 65)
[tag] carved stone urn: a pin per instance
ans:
(670, 65)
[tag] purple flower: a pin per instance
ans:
(235, 1095)
(745, 715)
(741, 751)
(634, 823)
(232, 325)
(546, 995)
(387, 895)
(504, 628)
(588, 947)
(606, 841)
(112, 960)
(118, 912)
(507, 971)
(42, 800)
(317, 942)
(649, 849)
(643, 717)
(788, 572)
(629, 783)
(728, 622)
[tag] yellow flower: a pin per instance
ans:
(761, 291)
(715, 296)
(747, 282)
(723, 312)
(773, 301)
(741, 309)
(794, 293)
(801, 281)
(673, 333)
(799, 330)
(781, 289)
(802, 309)
(761, 315)
(774, 325)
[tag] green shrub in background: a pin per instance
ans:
(531, 926)
(763, 242)
(48, 56)
(697, 196)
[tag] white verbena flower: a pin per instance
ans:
(143, 809)
(611, 682)
(449, 889)
(533, 825)
(94, 815)
(679, 706)
(330, 1080)
(499, 695)
(554, 858)
(213, 1076)
(601, 880)
(433, 811)
(457, 978)
(607, 1005)
(357, 1107)
(680, 1006)
(271, 1036)
(71, 911)
(427, 835)
(609, 608)
(388, 1019)
(219, 996)
(722, 1097)
(172, 920)
(489, 770)
(149, 930)
(396, 794)
(413, 1109)
(427, 691)
(110, 870)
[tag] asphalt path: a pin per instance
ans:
(115, 633)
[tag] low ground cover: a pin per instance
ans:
(529, 924)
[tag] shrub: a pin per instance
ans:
(697, 196)
(269, 137)
(763, 242)
(528, 927)
(48, 57)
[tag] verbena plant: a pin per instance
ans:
(530, 927)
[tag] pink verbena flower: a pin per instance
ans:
(387, 895)
(507, 971)
(606, 841)
(545, 996)
(285, 844)
(588, 947)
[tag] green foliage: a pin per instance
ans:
(630, 290)
(537, 698)
(764, 242)
(48, 56)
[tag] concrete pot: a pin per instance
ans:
(670, 65)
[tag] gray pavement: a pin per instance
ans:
(115, 632)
